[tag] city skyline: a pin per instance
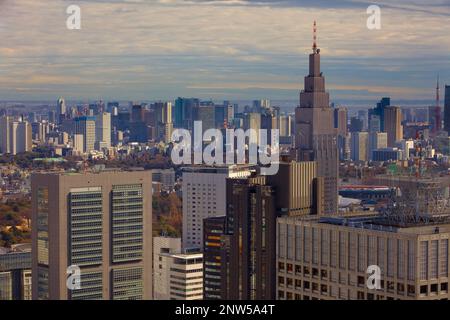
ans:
(136, 50)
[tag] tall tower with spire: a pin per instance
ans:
(315, 137)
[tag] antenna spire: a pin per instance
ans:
(315, 37)
(437, 92)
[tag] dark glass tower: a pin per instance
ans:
(447, 109)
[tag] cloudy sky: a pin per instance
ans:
(220, 49)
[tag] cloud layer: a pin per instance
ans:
(235, 49)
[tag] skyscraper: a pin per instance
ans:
(393, 125)
(447, 109)
(185, 112)
(85, 125)
(359, 146)
(315, 138)
(434, 113)
(5, 140)
(340, 121)
(213, 229)
(163, 120)
(103, 128)
(15, 136)
(253, 204)
(379, 111)
(60, 110)
(204, 196)
(377, 140)
(100, 222)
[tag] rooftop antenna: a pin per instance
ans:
(315, 37)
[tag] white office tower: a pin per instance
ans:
(377, 140)
(15, 136)
(78, 143)
(61, 108)
(285, 125)
(103, 129)
(204, 196)
(23, 141)
(176, 275)
(406, 146)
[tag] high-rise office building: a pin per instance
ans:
(377, 140)
(285, 122)
(393, 125)
(185, 112)
(61, 110)
(137, 113)
(5, 133)
(447, 109)
(103, 128)
(315, 138)
(24, 136)
(374, 124)
(15, 274)
(163, 121)
(435, 113)
(85, 125)
(99, 222)
(16, 136)
(328, 258)
(379, 111)
(251, 217)
(213, 230)
(248, 244)
(359, 146)
(340, 121)
(204, 196)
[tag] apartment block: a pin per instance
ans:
(178, 275)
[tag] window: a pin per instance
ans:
(434, 288)
(423, 289)
(289, 268)
(423, 260)
(298, 269)
(306, 271)
(411, 289)
(443, 258)
(306, 285)
(361, 281)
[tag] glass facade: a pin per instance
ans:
(127, 223)
(5, 286)
(42, 242)
(85, 225)
(91, 287)
(127, 284)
